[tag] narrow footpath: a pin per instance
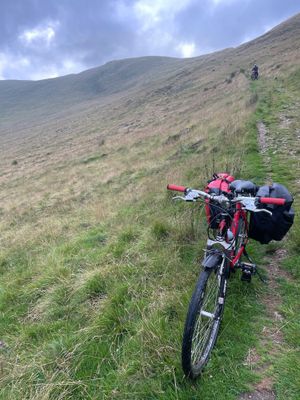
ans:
(271, 337)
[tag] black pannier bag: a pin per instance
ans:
(265, 227)
(244, 187)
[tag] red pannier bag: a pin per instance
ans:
(218, 185)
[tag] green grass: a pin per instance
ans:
(99, 330)
(104, 317)
(278, 99)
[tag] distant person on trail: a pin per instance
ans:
(254, 73)
(255, 69)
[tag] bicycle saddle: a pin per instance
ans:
(240, 186)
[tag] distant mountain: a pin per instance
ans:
(50, 95)
(34, 99)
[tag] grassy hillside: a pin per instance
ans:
(38, 99)
(98, 265)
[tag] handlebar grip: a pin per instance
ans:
(177, 188)
(272, 200)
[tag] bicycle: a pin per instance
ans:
(224, 250)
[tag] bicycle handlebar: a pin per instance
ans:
(176, 188)
(272, 200)
(192, 195)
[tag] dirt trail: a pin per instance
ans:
(263, 147)
(262, 136)
(271, 335)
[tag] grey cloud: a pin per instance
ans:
(18, 15)
(226, 25)
(91, 32)
(92, 29)
(88, 32)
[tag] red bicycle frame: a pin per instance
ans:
(238, 215)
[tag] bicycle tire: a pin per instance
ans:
(193, 359)
(240, 235)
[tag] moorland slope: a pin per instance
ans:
(97, 265)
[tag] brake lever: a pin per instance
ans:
(178, 198)
(250, 204)
(190, 196)
(263, 210)
(186, 198)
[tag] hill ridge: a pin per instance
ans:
(118, 77)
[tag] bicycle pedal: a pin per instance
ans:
(248, 270)
(246, 276)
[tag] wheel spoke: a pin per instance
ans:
(203, 320)
(200, 342)
(206, 317)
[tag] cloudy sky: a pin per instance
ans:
(48, 38)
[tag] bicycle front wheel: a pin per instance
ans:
(203, 319)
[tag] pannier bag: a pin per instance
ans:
(265, 227)
(245, 188)
(219, 184)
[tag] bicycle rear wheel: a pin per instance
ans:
(203, 319)
(241, 235)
